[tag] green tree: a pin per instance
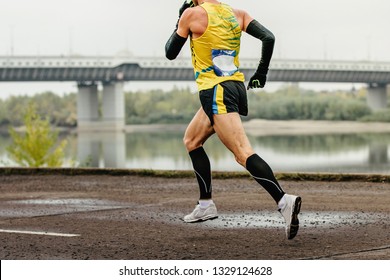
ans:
(3, 113)
(36, 146)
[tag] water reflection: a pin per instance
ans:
(101, 149)
(302, 153)
(361, 153)
(341, 153)
(378, 153)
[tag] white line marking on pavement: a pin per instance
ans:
(39, 233)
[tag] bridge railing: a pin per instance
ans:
(182, 62)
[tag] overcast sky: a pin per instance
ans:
(304, 29)
(313, 29)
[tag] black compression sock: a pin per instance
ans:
(263, 174)
(201, 164)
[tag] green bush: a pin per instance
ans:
(379, 116)
(36, 146)
(287, 105)
(156, 106)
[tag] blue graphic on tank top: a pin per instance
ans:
(223, 61)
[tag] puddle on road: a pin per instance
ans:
(67, 201)
(41, 207)
(268, 219)
(259, 219)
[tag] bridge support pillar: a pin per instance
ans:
(113, 111)
(111, 117)
(87, 105)
(377, 96)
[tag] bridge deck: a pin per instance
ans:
(107, 69)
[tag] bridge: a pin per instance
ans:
(112, 72)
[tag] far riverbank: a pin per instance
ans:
(259, 127)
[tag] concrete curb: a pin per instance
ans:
(338, 177)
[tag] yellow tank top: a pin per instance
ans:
(215, 54)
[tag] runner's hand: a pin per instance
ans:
(257, 81)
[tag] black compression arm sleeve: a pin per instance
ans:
(255, 29)
(174, 45)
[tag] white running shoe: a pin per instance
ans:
(202, 214)
(290, 213)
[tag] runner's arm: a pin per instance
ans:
(179, 36)
(255, 29)
(258, 31)
(174, 45)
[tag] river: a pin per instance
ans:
(312, 148)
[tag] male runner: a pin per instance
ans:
(215, 35)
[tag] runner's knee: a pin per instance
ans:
(239, 160)
(190, 143)
(242, 156)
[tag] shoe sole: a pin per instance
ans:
(294, 226)
(203, 219)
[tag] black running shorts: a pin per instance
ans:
(226, 97)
